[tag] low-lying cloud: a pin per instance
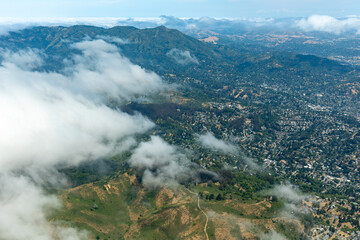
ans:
(292, 199)
(8, 24)
(112, 39)
(100, 60)
(161, 164)
(233, 26)
(324, 23)
(208, 140)
(243, 225)
(288, 193)
(200, 26)
(54, 119)
(29, 59)
(182, 57)
(23, 212)
(272, 235)
(220, 25)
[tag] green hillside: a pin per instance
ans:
(121, 208)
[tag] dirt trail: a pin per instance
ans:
(206, 216)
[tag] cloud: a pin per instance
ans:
(182, 57)
(100, 60)
(25, 59)
(61, 119)
(161, 163)
(8, 24)
(226, 26)
(23, 211)
(112, 39)
(329, 24)
(272, 235)
(292, 199)
(290, 213)
(288, 193)
(243, 226)
(214, 25)
(236, 26)
(57, 118)
(208, 140)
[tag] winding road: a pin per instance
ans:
(206, 216)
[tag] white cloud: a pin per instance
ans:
(8, 24)
(100, 60)
(288, 192)
(112, 39)
(292, 199)
(272, 235)
(53, 119)
(329, 24)
(208, 140)
(322, 23)
(23, 212)
(246, 225)
(57, 118)
(24, 59)
(182, 57)
(161, 163)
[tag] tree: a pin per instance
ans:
(211, 197)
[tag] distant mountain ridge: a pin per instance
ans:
(213, 65)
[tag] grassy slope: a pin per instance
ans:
(120, 208)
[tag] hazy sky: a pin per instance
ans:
(178, 8)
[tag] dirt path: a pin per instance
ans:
(353, 136)
(206, 216)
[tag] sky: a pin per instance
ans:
(177, 8)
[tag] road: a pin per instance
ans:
(206, 216)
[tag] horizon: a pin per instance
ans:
(317, 23)
(178, 8)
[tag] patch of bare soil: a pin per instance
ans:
(97, 227)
